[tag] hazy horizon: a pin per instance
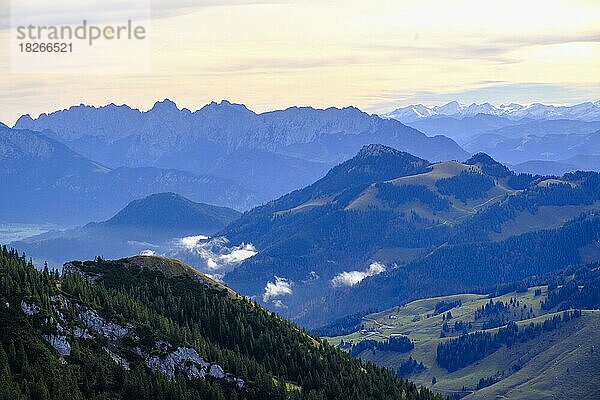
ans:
(201, 105)
(275, 54)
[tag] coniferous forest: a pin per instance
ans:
(399, 344)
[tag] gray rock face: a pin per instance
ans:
(188, 361)
(60, 343)
(29, 309)
(70, 268)
(97, 324)
(162, 358)
(184, 359)
(216, 371)
(239, 382)
(81, 333)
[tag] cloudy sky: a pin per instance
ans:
(375, 54)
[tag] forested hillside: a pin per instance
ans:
(390, 223)
(474, 266)
(150, 327)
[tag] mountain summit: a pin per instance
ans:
(170, 212)
(146, 225)
(373, 163)
(376, 150)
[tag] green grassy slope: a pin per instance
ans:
(563, 364)
(543, 361)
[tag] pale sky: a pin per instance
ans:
(374, 54)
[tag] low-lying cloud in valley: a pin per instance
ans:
(280, 287)
(212, 255)
(351, 278)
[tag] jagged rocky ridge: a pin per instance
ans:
(272, 152)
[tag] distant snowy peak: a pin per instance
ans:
(583, 112)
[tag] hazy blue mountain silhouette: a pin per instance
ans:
(273, 152)
(45, 181)
(144, 224)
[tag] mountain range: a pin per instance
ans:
(228, 155)
(561, 148)
(358, 228)
(536, 139)
(466, 129)
(588, 111)
(272, 152)
(372, 222)
(376, 222)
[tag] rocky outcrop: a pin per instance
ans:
(97, 324)
(29, 309)
(56, 340)
(59, 302)
(188, 361)
(216, 371)
(70, 268)
(161, 358)
(81, 333)
(59, 343)
(239, 382)
(184, 359)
